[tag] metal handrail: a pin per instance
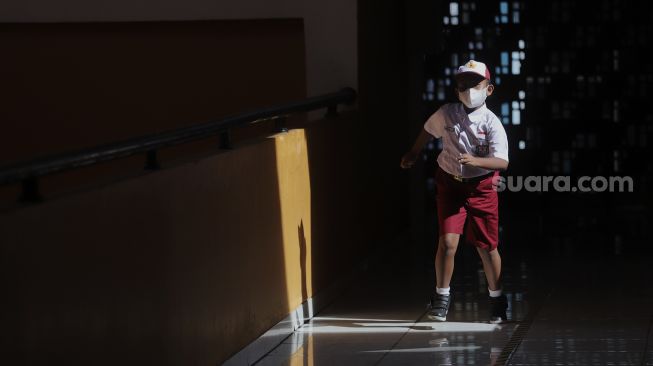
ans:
(28, 172)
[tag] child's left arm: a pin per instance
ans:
(498, 158)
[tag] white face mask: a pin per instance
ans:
(473, 98)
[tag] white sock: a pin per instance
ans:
(495, 293)
(443, 290)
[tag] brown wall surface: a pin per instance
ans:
(182, 266)
(68, 86)
(73, 85)
(189, 264)
(186, 265)
(141, 270)
(330, 26)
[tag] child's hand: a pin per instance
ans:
(467, 159)
(408, 160)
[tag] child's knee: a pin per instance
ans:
(488, 251)
(449, 241)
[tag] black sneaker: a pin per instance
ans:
(498, 306)
(439, 307)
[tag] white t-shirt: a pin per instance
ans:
(479, 133)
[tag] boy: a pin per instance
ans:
(474, 149)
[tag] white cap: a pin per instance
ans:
(476, 67)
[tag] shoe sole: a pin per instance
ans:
(438, 318)
(496, 321)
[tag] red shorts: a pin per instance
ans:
(478, 200)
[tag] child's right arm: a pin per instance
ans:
(434, 127)
(411, 156)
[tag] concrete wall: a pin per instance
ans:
(331, 26)
(72, 86)
(189, 264)
(186, 265)
(183, 266)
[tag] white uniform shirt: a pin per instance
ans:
(479, 133)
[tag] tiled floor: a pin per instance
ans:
(594, 311)
(599, 313)
(379, 320)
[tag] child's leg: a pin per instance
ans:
(444, 259)
(483, 229)
(491, 267)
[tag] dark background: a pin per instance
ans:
(583, 109)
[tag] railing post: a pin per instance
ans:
(332, 112)
(30, 191)
(152, 162)
(225, 140)
(280, 124)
